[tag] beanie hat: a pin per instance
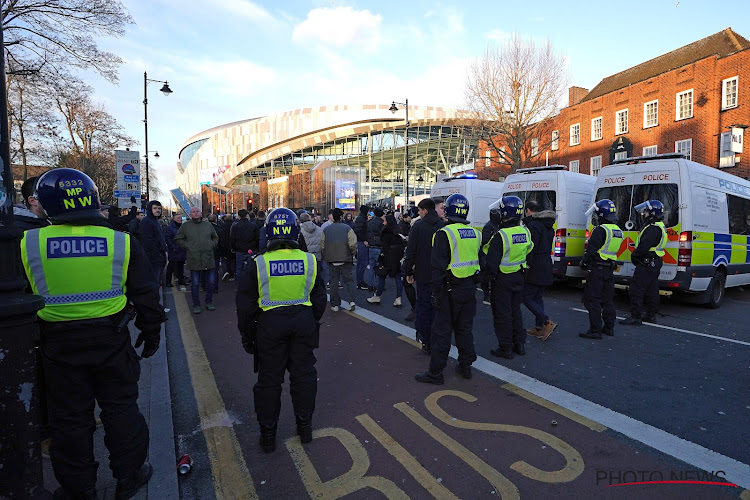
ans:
(304, 217)
(378, 212)
(363, 209)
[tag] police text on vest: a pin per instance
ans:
(287, 268)
(76, 246)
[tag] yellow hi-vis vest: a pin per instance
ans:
(464, 243)
(285, 278)
(79, 270)
(612, 243)
(660, 248)
(517, 245)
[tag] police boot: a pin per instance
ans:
(268, 437)
(631, 321)
(503, 352)
(61, 494)
(649, 318)
(129, 486)
(304, 427)
(519, 348)
(464, 371)
(429, 378)
(589, 334)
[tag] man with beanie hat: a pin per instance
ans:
(360, 230)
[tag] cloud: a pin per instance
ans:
(340, 26)
(497, 35)
(247, 10)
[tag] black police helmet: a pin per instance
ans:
(511, 207)
(456, 208)
(67, 195)
(281, 224)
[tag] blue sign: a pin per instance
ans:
(76, 246)
(126, 194)
(287, 268)
(130, 178)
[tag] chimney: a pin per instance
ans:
(576, 94)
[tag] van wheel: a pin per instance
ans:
(716, 290)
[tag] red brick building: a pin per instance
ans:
(690, 100)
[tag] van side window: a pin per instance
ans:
(547, 199)
(739, 214)
(621, 196)
(668, 194)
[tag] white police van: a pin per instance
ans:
(481, 194)
(706, 214)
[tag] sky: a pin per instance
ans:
(232, 60)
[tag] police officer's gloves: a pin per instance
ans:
(150, 341)
(248, 343)
(585, 264)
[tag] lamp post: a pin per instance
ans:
(393, 109)
(164, 90)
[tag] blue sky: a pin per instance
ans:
(230, 60)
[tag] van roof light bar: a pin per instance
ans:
(641, 159)
(541, 169)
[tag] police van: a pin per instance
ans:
(706, 214)
(481, 194)
(569, 194)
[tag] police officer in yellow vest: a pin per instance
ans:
(504, 267)
(455, 273)
(87, 274)
(600, 260)
(280, 299)
(650, 247)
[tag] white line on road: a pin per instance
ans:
(694, 454)
(657, 325)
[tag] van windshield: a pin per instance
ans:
(621, 196)
(627, 197)
(547, 199)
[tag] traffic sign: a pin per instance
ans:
(128, 177)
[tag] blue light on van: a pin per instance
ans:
(462, 176)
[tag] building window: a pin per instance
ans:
(621, 122)
(685, 105)
(575, 134)
(649, 151)
(534, 146)
(621, 155)
(729, 93)
(555, 140)
(596, 165)
(487, 158)
(596, 129)
(574, 166)
(685, 147)
(651, 114)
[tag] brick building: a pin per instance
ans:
(690, 100)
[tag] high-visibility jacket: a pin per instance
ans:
(659, 249)
(517, 245)
(79, 270)
(285, 278)
(464, 242)
(612, 243)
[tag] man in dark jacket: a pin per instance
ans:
(416, 267)
(227, 256)
(539, 271)
(31, 215)
(117, 221)
(243, 236)
(152, 240)
(175, 253)
(488, 231)
(360, 230)
(373, 242)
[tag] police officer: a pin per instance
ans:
(600, 259)
(455, 272)
(647, 258)
(505, 263)
(87, 274)
(280, 300)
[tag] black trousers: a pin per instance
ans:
(411, 293)
(644, 290)
(425, 315)
(82, 366)
(285, 342)
(506, 298)
(176, 268)
(598, 298)
(455, 314)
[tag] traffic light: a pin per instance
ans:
(249, 203)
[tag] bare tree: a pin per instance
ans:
(60, 34)
(512, 91)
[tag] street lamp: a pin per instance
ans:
(164, 90)
(394, 107)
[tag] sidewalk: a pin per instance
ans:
(154, 401)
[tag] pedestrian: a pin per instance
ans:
(363, 257)
(152, 239)
(88, 273)
(328, 221)
(119, 222)
(348, 220)
(600, 260)
(416, 267)
(29, 215)
(538, 275)
(392, 251)
(261, 227)
(409, 290)
(488, 231)
(176, 255)
(455, 275)
(244, 238)
(505, 263)
(374, 244)
(339, 247)
(280, 301)
(309, 240)
(228, 257)
(199, 239)
(134, 226)
(647, 258)
(217, 252)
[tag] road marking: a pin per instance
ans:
(691, 453)
(594, 426)
(231, 478)
(657, 325)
